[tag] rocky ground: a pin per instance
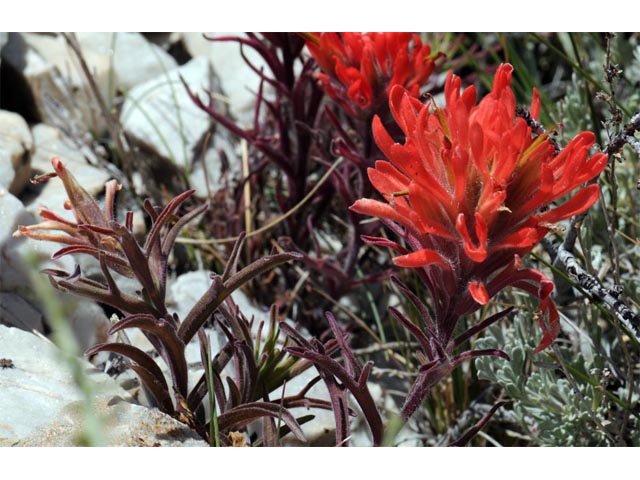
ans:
(50, 107)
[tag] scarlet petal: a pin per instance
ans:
(580, 202)
(476, 140)
(383, 242)
(387, 179)
(381, 136)
(549, 322)
(534, 110)
(523, 238)
(421, 258)
(476, 253)
(404, 108)
(375, 208)
(479, 292)
(502, 78)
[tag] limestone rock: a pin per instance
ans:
(16, 146)
(42, 405)
(15, 311)
(14, 273)
(135, 60)
(160, 114)
(50, 142)
(239, 83)
(58, 88)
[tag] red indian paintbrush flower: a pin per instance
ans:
(473, 186)
(360, 69)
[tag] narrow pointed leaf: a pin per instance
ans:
(242, 415)
(173, 346)
(156, 389)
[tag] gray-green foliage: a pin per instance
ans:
(572, 111)
(545, 406)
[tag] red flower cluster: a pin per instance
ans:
(472, 186)
(360, 69)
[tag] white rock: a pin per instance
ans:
(15, 311)
(42, 405)
(160, 113)
(16, 146)
(59, 87)
(135, 60)
(50, 142)
(185, 290)
(13, 274)
(126, 425)
(12, 214)
(238, 81)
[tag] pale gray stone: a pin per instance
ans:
(13, 274)
(43, 406)
(16, 146)
(58, 85)
(134, 59)
(15, 311)
(50, 142)
(160, 114)
(12, 213)
(239, 83)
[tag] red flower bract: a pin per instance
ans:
(472, 185)
(90, 233)
(360, 69)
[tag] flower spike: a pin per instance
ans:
(359, 69)
(468, 186)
